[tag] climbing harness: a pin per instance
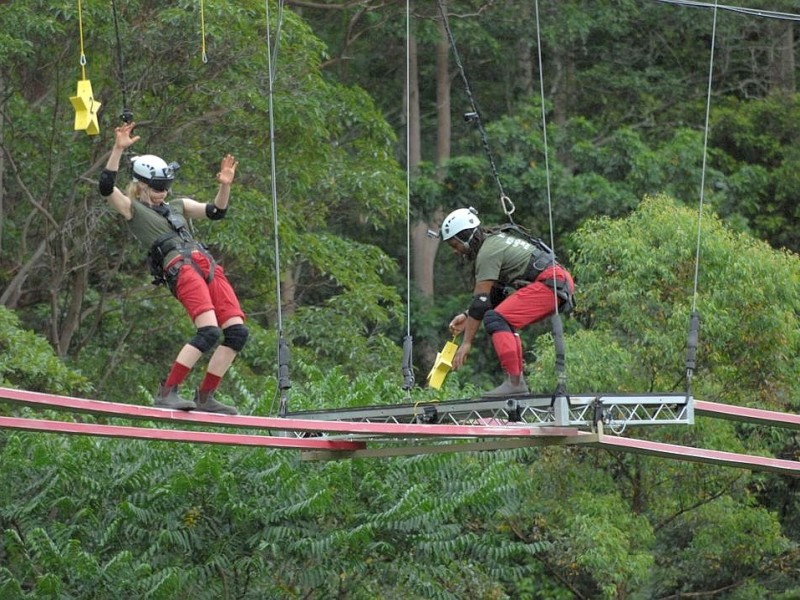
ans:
(178, 240)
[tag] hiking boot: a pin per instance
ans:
(206, 403)
(167, 397)
(508, 388)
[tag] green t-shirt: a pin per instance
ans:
(147, 225)
(503, 257)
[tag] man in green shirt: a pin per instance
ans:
(505, 257)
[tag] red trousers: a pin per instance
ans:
(534, 302)
(197, 296)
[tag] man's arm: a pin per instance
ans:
(469, 324)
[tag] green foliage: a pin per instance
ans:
(27, 361)
(637, 279)
(88, 518)
(757, 144)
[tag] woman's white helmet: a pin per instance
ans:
(462, 219)
(154, 171)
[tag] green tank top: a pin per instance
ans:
(503, 257)
(147, 225)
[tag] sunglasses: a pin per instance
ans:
(160, 185)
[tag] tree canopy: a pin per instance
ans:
(625, 91)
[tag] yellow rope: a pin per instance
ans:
(203, 32)
(80, 29)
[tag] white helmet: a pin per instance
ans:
(154, 171)
(459, 220)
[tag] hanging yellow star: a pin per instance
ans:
(86, 108)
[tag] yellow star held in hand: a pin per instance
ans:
(86, 108)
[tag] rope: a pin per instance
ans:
(284, 383)
(127, 115)
(769, 14)
(694, 319)
(203, 32)
(555, 320)
(475, 116)
(544, 139)
(80, 30)
(408, 340)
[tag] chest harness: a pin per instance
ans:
(541, 258)
(179, 239)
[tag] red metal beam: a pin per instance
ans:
(176, 435)
(133, 411)
(748, 415)
(687, 453)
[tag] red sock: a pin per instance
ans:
(177, 374)
(210, 382)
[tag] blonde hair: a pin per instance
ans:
(135, 189)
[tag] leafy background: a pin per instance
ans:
(625, 86)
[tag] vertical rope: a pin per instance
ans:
(558, 326)
(80, 30)
(705, 157)
(127, 115)
(694, 319)
(203, 32)
(284, 383)
(408, 341)
(475, 115)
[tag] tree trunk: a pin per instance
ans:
(525, 59)
(2, 166)
(425, 246)
(72, 319)
(11, 295)
(782, 62)
(412, 110)
(289, 293)
(443, 120)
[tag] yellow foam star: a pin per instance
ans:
(86, 108)
(442, 365)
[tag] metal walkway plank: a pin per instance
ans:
(748, 415)
(175, 435)
(687, 453)
(491, 429)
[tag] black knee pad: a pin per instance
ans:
(205, 338)
(493, 323)
(235, 337)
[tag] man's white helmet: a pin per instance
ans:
(154, 171)
(462, 219)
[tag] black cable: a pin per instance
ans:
(769, 14)
(127, 115)
(475, 115)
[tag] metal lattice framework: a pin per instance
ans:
(617, 412)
